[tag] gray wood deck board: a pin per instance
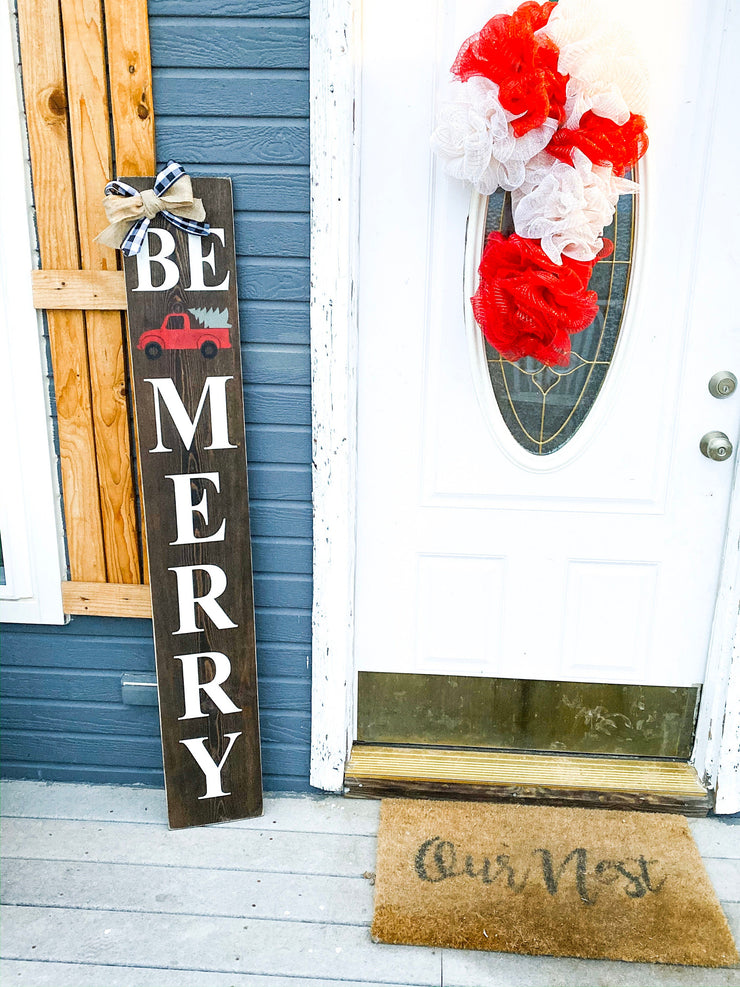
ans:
(238, 945)
(116, 803)
(97, 892)
(222, 847)
(188, 891)
(22, 973)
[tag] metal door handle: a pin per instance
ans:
(716, 445)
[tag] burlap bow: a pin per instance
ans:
(129, 212)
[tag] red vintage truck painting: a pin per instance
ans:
(201, 329)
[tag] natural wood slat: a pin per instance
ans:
(46, 111)
(81, 290)
(82, 24)
(130, 72)
(130, 68)
(375, 771)
(107, 599)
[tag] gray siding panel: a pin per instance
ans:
(231, 98)
(228, 43)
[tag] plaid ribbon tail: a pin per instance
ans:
(134, 239)
(188, 225)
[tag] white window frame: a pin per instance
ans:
(30, 506)
(335, 101)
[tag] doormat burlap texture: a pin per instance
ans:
(540, 880)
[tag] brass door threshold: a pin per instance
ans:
(555, 779)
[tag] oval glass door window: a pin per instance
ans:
(544, 407)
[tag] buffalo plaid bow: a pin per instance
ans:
(130, 212)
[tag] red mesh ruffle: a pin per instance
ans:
(526, 305)
(506, 51)
(603, 141)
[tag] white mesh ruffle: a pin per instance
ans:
(475, 140)
(565, 207)
(606, 73)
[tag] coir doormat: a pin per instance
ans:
(562, 882)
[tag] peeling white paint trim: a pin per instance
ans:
(334, 82)
(716, 753)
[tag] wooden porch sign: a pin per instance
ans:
(186, 367)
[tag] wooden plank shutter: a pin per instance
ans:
(85, 65)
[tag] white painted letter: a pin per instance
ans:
(144, 261)
(186, 598)
(192, 684)
(198, 261)
(214, 389)
(212, 771)
(185, 508)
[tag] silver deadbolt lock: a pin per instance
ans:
(716, 445)
(723, 384)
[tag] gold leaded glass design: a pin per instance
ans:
(543, 407)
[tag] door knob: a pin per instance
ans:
(722, 384)
(716, 445)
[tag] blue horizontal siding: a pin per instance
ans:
(236, 92)
(278, 405)
(192, 141)
(274, 322)
(258, 188)
(236, 42)
(232, 8)
(273, 278)
(231, 99)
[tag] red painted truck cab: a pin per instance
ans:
(180, 332)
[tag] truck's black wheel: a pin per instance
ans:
(153, 351)
(209, 349)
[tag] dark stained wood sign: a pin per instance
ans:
(184, 340)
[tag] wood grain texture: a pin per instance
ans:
(273, 278)
(189, 371)
(233, 141)
(232, 8)
(132, 110)
(279, 443)
(47, 115)
(266, 188)
(265, 363)
(84, 44)
(269, 481)
(528, 795)
(79, 290)
(239, 42)
(278, 405)
(192, 92)
(130, 73)
(107, 599)
(274, 322)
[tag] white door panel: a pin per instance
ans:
(600, 561)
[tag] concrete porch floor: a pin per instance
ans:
(97, 892)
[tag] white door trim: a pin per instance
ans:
(334, 258)
(335, 85)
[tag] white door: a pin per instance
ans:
(598, 563)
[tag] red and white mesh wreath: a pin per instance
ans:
(547, 103)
